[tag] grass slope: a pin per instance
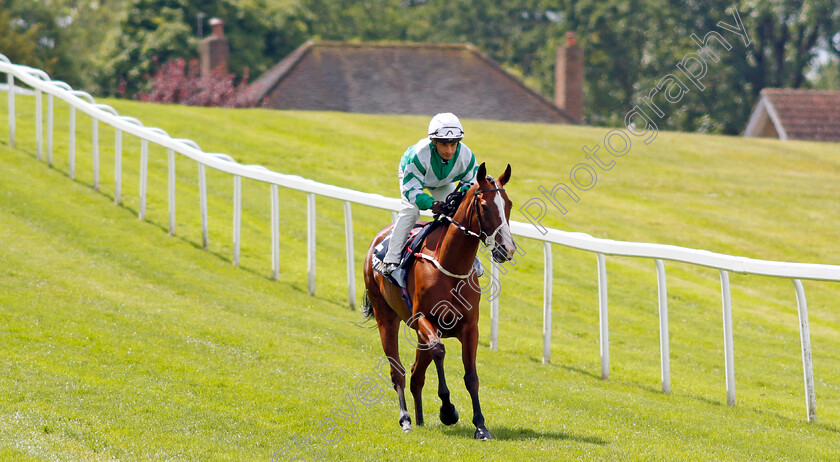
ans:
(120, 342)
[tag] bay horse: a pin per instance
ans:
(445, 294)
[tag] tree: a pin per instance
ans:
(784, 38)
(151, 30)
(18, 45)
(64, 35)
(258, 36)
(826, 75)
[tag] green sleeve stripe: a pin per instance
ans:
(410, 177)
(472, 164)
(413, 167)
(469, 171)
(420, 168)
(411, 186)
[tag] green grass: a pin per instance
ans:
(118, 341)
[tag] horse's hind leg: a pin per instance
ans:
(389, 327)
(418, 379)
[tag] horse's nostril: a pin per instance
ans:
(500, 255)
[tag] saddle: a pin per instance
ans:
(415, 239)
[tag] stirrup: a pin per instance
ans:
(478, 269)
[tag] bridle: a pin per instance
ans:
(490, 240)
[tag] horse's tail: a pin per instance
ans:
(367, 312)
(367, 307)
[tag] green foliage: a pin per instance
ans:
(39, 23)
(153, 32)
(615, 39)
(827, 76)
(17, 45)
(784, 39)
(66, 34)
(355, 21)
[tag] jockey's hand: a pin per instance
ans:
(437, 207)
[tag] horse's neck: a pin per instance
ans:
(457, 250)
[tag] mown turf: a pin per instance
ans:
(120, 342)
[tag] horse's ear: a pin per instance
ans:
(505, 176)
(482, 172)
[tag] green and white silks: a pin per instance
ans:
(421, 168)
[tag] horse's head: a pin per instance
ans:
(491, 206)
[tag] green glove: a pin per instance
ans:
(465, 187)
(424, 201)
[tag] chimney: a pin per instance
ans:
(568, 77)
(213, 50)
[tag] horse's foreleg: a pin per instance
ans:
(418, 379)
(469, 345)
(431, 341)
(388, 332)
(448, 413)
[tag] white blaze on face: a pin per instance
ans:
(504, 232)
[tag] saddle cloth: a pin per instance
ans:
(415, 239)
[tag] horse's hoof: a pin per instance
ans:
(482, 434)
(449, 415)
(405, 423)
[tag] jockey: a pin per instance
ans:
(436, 164)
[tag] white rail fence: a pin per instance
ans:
(41, 85)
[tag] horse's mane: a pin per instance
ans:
(453, 200)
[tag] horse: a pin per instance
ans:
(445, 293)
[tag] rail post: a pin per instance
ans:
(729, 351)
(351, 266)
(664, 354)
(603, 317)
(310, 241)
(547, 286)
(805, 341)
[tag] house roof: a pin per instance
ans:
(797, 114)
(400, 78)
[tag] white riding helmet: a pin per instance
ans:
(446, 126)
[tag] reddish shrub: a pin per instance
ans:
(175, 82)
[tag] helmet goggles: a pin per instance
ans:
(447, 134)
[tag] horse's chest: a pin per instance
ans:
(449, 312)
